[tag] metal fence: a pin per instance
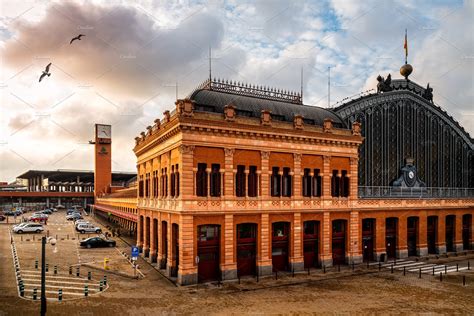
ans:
(414, 193)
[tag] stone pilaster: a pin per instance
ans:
(297, 175)
(264, 261)
(297, 260)
(402, 251)
(441, 236)
(229, 268)
(326, 176)
(229, 174)
(380, 239)
(326, 255)
(422, 246)
(353, 178)
(355, 234)
(458, 244)
(187, 270)
(265, 181)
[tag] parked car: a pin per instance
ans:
(95, 242)
(73, 217)
(47, 211)
(2, 218)
(88, 228)
(71, 211)
(38, 217)
(81, 221)
(28, 228)
(8, 213)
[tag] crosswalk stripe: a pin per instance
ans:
(60, 287)
(62, 282)
(53, 277)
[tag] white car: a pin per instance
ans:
(81, 221)
(28, 228)
(88, 228)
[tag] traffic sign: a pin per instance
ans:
(135, 252)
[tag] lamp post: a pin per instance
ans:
(52, 241)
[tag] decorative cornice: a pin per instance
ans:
(186, 149)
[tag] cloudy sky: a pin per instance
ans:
(124, 71)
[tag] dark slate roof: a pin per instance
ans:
(251, 106)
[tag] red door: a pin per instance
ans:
(412, 235)
(339, 242)
(432, 231)
(246, 249)
(208, 252)
(280, 243)
(391, 237)
(311, 244)
(368, 237)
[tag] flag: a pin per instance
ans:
(405, 46)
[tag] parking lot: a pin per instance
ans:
(362, 291)
(69, 266)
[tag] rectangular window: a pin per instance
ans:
(176, 171)
(335, 184)
(307, 179)
(173, 182)
(140, 187)
(215, 180)
(275, 182)
(201, 180)
(344, 184)
(253, 181)
(287, 183)
(240, 181)
(317, 180)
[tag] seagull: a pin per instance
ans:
(76, 38)
(45, 72)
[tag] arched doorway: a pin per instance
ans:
(466, 231)
(412, 235)
(155, 241)
(141, 234)
(147, 237)
(246, 249)
(450, 232)
(311, 244)
(339, 241)
(280, 246)
(368, 239)
(432, 233)
(175, 249)
(391, 225)
(208, 252)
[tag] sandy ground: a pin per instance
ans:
(346, 292)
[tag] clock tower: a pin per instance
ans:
(102, 159)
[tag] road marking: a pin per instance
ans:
(61, 287)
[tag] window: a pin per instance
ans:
(176, 171)
(155, 183)
(140, 187)
(307, 183)
(287, 186)
(338, 226)
(280, 229)
(246, 231)
(240, 181)
(166, 182)
(253, 181)
(201, 180)
(310, 228)
(208, 232)
(215, 180)
(147, 185)
(275, 182)
(317, 183)
(173, 182)
(335, 184)
(345, 184)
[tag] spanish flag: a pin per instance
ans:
(405, 46)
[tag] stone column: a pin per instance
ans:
(229, 268)
(297, 175)
(259, 183)
(153, 246)
(422, 246)
(402, 251)
(139, 231)
(146, 237)
(264, 260)
(194, 182)
(326, 177)
(246, 182)
(380, 239)
(326, 252)
(265, 181)
(208, 173)
(297, 260)
(187, 269)
(458, 244)
(355, 238)
(229, 174)
(221, 175)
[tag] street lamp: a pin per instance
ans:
(44, 240)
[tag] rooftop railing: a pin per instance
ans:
(367, 192)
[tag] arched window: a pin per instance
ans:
(201, 180)
(240, 181)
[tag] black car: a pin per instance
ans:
(2, 218)
(96, 242)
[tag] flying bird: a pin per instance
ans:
(76, 38)
(45, 72)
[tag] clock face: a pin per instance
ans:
(104, 131)
(411, 174)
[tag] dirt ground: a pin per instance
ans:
(346, 292)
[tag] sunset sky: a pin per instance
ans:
(124, 71)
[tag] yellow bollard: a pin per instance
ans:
(106, 263)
